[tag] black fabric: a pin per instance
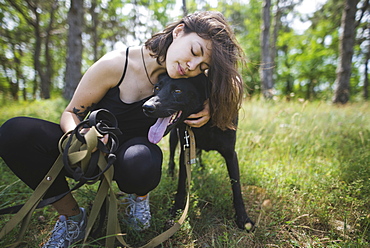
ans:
(125, 69)
(130, 116)
(138, 166)
(29, 147)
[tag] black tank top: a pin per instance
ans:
(130, 116)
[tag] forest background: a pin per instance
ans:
(47, 45)
(304, 135)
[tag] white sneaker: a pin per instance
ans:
(66, 232)
(138, 212)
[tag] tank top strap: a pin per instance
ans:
(124, 70)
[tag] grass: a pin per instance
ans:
(305, 178)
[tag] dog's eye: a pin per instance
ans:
(177, 91)
(156, 88)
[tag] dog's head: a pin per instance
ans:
(173, 101)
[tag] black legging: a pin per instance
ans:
(29, 147)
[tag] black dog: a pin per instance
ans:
(174, 101)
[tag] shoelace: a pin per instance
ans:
(136, 208)
(69, 228)
(73, 230)
(56, 236)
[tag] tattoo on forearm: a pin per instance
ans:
(75, 208)
(83, 111)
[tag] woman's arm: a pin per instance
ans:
(200, 118)
(98, 79)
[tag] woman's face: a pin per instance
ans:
(188, 55)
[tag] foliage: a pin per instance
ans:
(305, 179)
(305, 65)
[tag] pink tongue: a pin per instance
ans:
(156, 131)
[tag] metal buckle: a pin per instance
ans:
(186, 137)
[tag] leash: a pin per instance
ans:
(78, 158)
(190, 158)
(105, 123)
(80, 153)
(113, 227)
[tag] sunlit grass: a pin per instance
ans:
(45, 109)
(305, 177)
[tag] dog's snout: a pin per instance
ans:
(149, 108)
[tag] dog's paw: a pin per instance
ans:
(245, 224)
(249, 226)
(174, 211)
(169, 223)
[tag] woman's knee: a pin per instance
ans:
(22, 132)
(13, 131)
(138, 166)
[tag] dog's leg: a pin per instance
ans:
(199, 156)
(173, 143)
(242, 219)
(181, 186)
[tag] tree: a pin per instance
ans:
(14, 57)
(248, 34)
(32, 45)
(347, 39)
(32, 12)
(267, 63)
(366, 76)
(47, 73)
(184, 8)
(74, 57)
(363, 42)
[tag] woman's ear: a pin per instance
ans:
(178, 30)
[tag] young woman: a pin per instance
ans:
(121, 81)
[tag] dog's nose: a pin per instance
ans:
(149, 108)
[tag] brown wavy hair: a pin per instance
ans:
(226, 83)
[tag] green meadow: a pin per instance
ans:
(305, 174)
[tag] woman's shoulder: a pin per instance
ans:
(115, 57)
(108, 68)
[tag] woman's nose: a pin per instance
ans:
(193, 64)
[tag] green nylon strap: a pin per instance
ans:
(190, 155)
(24, 214)
(105, 191)
(80, 154)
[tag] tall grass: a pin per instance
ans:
(305, 177)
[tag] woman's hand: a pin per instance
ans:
(103, 139)
(200, 118)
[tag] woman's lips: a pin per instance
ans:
(180, 70)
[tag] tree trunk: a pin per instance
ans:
(74, 55)
(275, 34)
(184, 8)
(266, 69)
(347, 39)
(366, 76)
(94, 28)
(48, 74)
(310, 89)
(36, 60)
(366, 72)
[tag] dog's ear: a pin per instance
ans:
(163, 76)
(202, 84)
(161, 79)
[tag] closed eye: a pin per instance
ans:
(192, 52)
